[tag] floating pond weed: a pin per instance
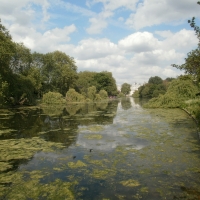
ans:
(78, 164)
(130, 183)
(93, 136)
(139, 154)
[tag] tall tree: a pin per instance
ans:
(59, 72)
(7, 49)
(105, 81)
(125, 88)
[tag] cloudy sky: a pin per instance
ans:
(133, 39)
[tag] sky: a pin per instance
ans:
(133, 39)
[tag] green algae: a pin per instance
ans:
(162, 167)
(99, 174)
(96, 128)
(130, 183)
(93, 136)
(78, 164)
(14, 149)
(144, 190)
(4, 166)
(6, 131)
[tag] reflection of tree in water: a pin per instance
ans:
(126, 103)
(72, 109)
(140, 101)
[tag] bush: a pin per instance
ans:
(73, 96)
(98, 98)
(103, 94)
(92, 93)
(120, 95)
(178, 92)
(136, 94)
(53, 98)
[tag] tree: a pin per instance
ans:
(92, 93)
(103, 94)
(84, 81)
(125, 88)
(59, 72)
(155, 80)
(105, 81)
(21, 59)
(7, 49)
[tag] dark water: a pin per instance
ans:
(109, 150)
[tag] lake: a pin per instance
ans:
(114, 150)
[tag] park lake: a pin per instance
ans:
(103, 151)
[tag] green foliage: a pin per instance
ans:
(84, 81)
(136, 94)
(125, 88)
(98, 97)
(21, 59)
(179, 91)
(73, 96)
(3, 91)
(105, 81)
(53, 98)
(91, 93)
(103, 94)
(153, 88)
(120, 95)
(26, 76)
(7, 48)
(192, 106)
(155, 80)
(59, 72)
(191, 65)
(126, 103)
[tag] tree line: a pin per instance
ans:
(26, 76)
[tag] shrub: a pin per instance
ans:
(103, 94)
(98, 98)
(53, 98)
(92, 93)
(73, 96)
(178, 92)
(120, 95)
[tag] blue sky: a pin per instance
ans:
(133, 39)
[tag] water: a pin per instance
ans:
(109, 150)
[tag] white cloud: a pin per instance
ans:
(183, 40)
(92, 49)
(140, 41)
(115, 4)
(48, 41)
(22, 11)
(98, 23)
(131, 58)
(155, 12)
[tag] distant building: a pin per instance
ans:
(134, 87)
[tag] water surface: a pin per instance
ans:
(108, 150)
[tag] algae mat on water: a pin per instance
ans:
(141, 154)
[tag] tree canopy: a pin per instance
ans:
(26, 76)
(125, 88)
